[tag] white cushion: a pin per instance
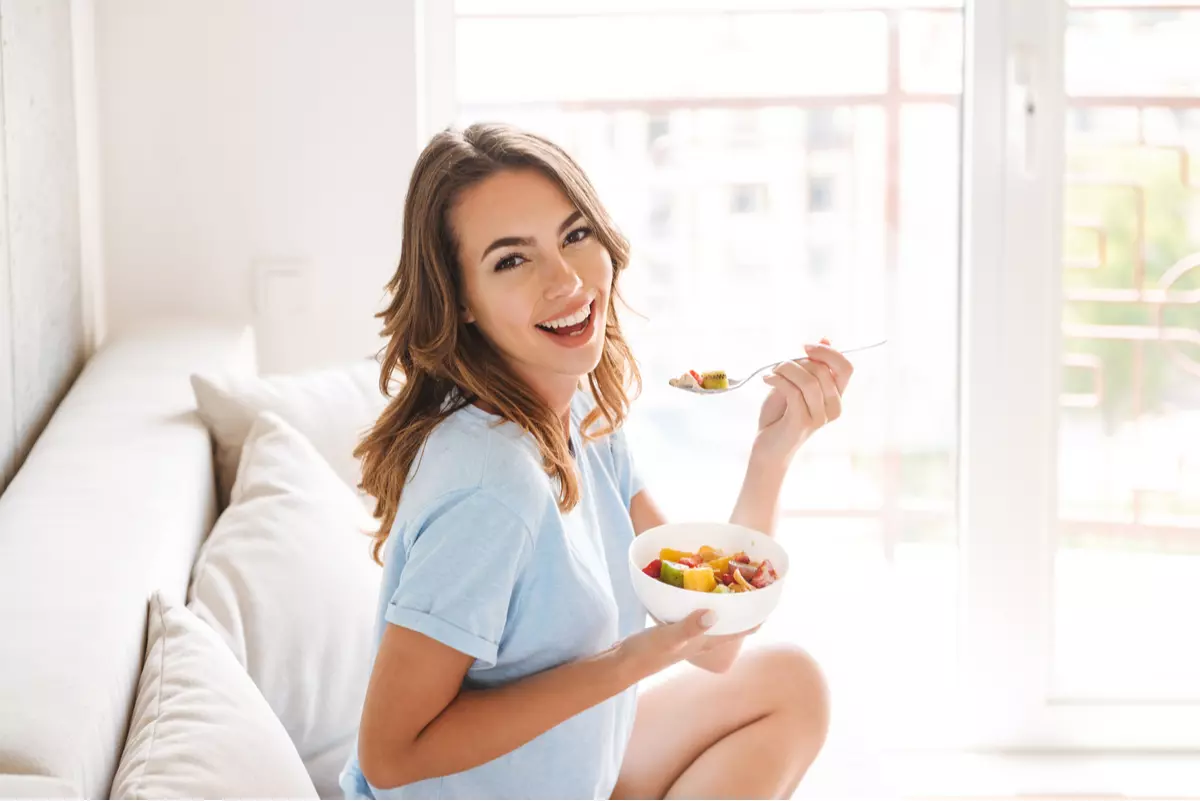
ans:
(27, 787)
(333, 408)
(200, 728)
(287, 579)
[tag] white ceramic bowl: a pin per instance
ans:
(736, 612)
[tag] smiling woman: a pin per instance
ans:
(512, 638)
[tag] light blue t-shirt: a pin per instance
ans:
(480, 558)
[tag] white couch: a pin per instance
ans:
(105, 521)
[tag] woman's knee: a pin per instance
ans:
(796, 686)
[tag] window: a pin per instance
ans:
(748, 199)
(820, 262)
(828, 128)
(660, 214)
(750, 140)
(658, 127)
(820, 193)
(1075, 483)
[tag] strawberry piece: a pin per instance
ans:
(691, 561)
(654, 569)
(747, 570)
(765, 575)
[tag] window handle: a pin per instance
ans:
(1023, 111)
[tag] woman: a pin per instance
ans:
(511, 641)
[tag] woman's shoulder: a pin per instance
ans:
(469, 452)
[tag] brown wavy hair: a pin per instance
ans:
(436, 363)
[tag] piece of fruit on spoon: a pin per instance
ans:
(714, 379)
(689, 380)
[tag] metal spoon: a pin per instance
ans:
(736, 384)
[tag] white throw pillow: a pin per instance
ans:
(333, 408)
(200, 728)
(286, 578)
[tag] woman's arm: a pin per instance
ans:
(757, 505)
(418, 723)
(803, 398)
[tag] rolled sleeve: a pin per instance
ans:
(460, 575)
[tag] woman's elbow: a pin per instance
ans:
(385, 769)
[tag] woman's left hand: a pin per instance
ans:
(804, 397)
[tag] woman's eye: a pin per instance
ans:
(509, 262)
(578, 235)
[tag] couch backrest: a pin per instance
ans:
(112, 503)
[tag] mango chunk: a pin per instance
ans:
(698, 578)
(720, 565)
(672, 555)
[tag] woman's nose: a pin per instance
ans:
(562, 280)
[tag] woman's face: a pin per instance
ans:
(536, 278)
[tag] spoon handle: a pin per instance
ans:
(857, 349)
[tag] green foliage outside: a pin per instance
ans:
(1172, 231)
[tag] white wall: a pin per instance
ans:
(236, 133)
(41, 319)
(87, 139)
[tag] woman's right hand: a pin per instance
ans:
(658, 647)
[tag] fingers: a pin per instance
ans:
(724, 639)
(838, 364)
(829, 391)
(792, 396)
(691, 627)
(804, 378)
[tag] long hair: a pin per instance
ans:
(436, 363)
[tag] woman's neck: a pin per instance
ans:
(557, 393)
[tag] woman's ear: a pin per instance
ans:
(467, 317)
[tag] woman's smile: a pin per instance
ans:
(572, 330)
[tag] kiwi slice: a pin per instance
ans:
(672, 574)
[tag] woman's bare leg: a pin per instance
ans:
(752, 732)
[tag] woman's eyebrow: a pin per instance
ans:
(524, 241)
(562, 229)
(506, 241)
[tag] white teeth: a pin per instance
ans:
(574, 319)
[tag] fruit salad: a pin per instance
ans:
(714, 379)
(711, 570)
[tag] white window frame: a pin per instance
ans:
(1011, 371)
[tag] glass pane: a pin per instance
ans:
(624, 57)
(1127, 568)
(1118, 53)
(773, 197)
(931, 47)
